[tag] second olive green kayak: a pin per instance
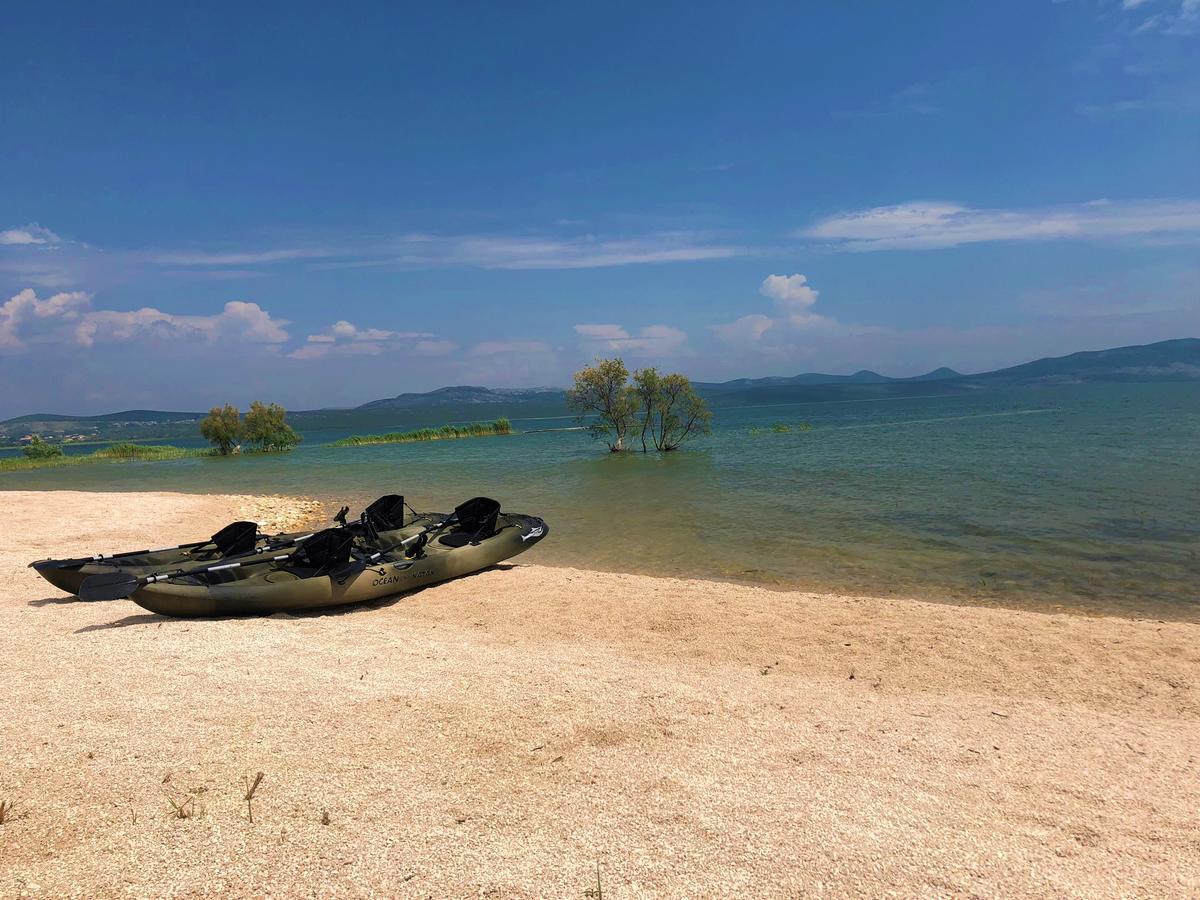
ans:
(233, 541)
(300, 584)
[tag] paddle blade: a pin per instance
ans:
(109, 586)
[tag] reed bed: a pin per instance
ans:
(446, 432)
(124, 452)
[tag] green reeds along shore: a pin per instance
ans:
(125, 452)
(446, 432)
(781, 428)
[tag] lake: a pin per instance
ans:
(1083, 496)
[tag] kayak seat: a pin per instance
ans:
(386, 513)
(476, 522)
(235, 538)
(325, 551)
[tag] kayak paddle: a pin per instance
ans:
(319, 548)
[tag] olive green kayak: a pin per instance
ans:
(358, 576)
(233, 541)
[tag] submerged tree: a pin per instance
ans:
(671, 409)
(267, 426)
(664, 408)
(602, 391)
(222, 428)
(647, 384)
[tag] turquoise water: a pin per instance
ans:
(1081, 496)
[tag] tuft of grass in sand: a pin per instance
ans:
(250, 789)
(596, 893)
(183, 809)
(5, 810)
(446, 432)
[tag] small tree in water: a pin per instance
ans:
(266, 426)
(664, 408)
(39, 449)
(671, 409)
(647, 384)
(602, 391)
(222, 428)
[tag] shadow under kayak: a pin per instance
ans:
(287, 587)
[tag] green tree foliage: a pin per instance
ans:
(647, 384)
(222, 428)
(602, 391)
(659, 410)
(39, 449)
(672, 410)
(267, 427)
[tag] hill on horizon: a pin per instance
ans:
(1172, 360)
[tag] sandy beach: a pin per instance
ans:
(508, 733)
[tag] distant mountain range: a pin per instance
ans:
(863, 376)
(1177, 360)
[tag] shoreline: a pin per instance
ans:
(280, 512)
(513, 729)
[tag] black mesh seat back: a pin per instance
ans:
(477, 517)
(386, 513)
(326, 550)
(237, 537)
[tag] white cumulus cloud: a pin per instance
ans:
(791, 292)
(238, 321)
(794, 299)
(24, 311)
(67, 318)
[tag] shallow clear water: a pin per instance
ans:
(1082, 496)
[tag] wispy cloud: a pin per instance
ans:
(536, 252)
(934, 225)
(746, 330)
(1180, 18)
(657, 339)
(25, 253)
(346, 338)
(202, 258)
(491, 348)
(347, 331)
(28, 235)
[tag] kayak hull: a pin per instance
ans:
(277, 589)
(69, 575)
(65, 578)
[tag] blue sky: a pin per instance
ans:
(324, 204)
